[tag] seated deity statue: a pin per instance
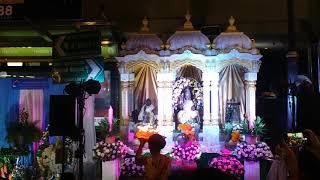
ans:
(188, 114)
(146, 114)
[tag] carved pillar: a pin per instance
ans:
(210, 97)
(127, 95)
(165, 81)
(215, 98)
(206, 101)
(250, 87)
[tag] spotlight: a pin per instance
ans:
(92, 86)
(73, 89)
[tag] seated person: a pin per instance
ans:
(146, 114)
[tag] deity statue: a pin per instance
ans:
(188, 114)
(146, 114)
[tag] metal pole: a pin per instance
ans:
(292, 66)
(81, 101)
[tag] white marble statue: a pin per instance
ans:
(188, 113)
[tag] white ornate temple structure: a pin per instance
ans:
(210, 61)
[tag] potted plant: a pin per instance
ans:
(228, 128)
(103, 130)
(253, 134)
(22, 133)
(8, 158)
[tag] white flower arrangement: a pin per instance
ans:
(47, 164)
(110, 151)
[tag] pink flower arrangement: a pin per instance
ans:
(189, 151)
(110, 151)
(253, 152)
(228, 165)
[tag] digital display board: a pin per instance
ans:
(40, 9)
(11, 9)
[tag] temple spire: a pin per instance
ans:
(145, 23)
(188, 24)
(231, 27)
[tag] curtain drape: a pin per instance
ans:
(189, 71)
(32, 100)
(90, 138)
(231, 86)
(145, 86)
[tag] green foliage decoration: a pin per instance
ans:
(23, 132)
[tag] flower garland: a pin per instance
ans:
(182, 83)
(129, 168)
(253, 152)
(43, 143)
(45, 155)
(185, 127)
(189, 151)
(110, 151)
(228, 165)
(187, 130)
(235, 136)
(68, 143)
(46, 162)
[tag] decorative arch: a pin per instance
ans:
(176, 65)
(189, 71)
(231, 86)
(134, 64)
(245, 64)
(145, 81)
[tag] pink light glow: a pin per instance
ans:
(226, 151)
(250, 170)
(110, 118)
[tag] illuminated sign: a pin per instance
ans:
(11, 9)
(77, 57)
(79, 70)
(76, 44)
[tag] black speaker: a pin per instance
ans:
(62, 120)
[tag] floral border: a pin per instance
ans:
(182, 83)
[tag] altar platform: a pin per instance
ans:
(210, 139)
